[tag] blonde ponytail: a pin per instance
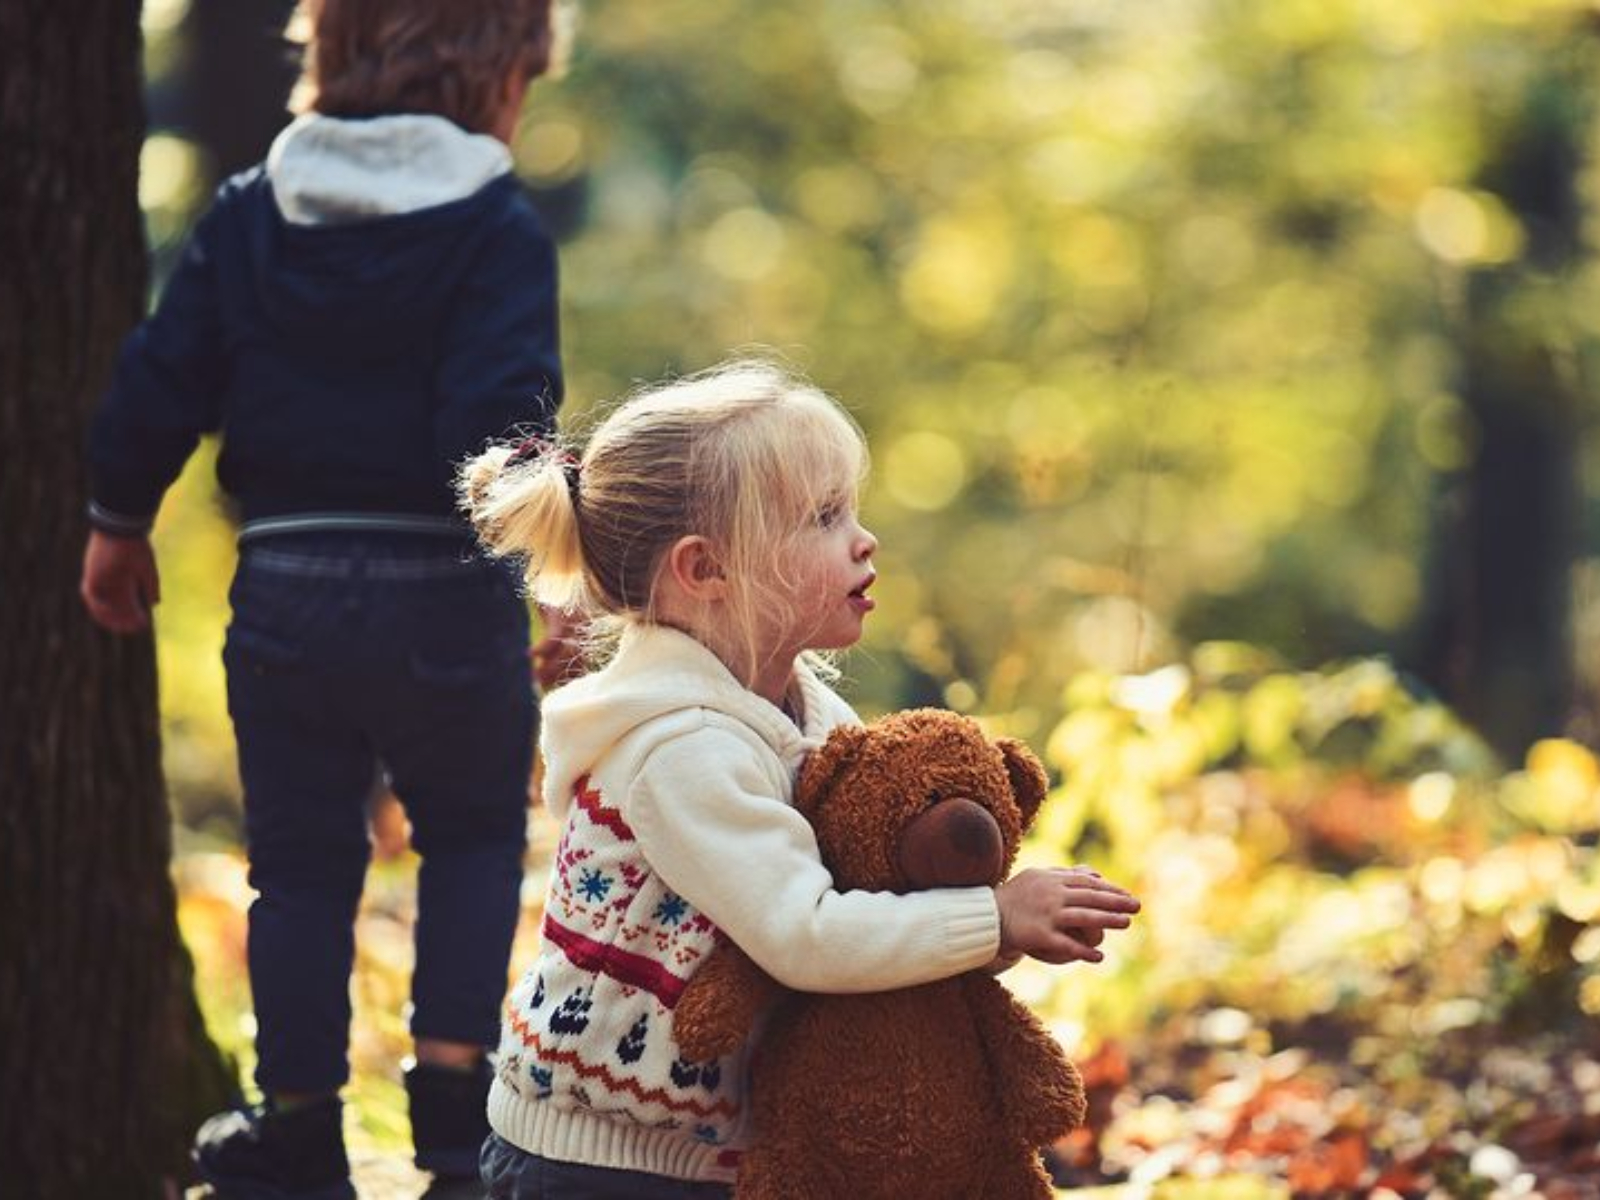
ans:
(524, 505)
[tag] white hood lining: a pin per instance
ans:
(329, 170)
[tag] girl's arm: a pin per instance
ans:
(707, 809)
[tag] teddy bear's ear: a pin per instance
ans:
(1029, 783)
(823, 766)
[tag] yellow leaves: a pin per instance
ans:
(1578, 899)
(1589, 995)
(195, 545)
(1559, 789)
(959, 271)
(1082, 736)
(839, 197)
(172, 182)
(1467, 227)
(744, 244)
(551, 150)
(170, 175)
(1102, 262)
(1518, 885)
(1270, 715)
(1430, 795)
(877, 68)
(1096, 248)
(924, 470)
(162, 16)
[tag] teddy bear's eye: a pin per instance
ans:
(934, 796)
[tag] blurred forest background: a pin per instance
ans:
(1229, 372)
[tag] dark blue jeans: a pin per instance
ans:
(513, 1174)
(351, 658)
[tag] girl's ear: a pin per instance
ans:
(1029, 783)
(697, 569)
(824, 765)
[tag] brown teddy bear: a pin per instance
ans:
(947, 1089)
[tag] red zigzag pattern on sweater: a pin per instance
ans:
(600, 813)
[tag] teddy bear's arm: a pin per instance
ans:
(717, 1012)
(1040, 1092)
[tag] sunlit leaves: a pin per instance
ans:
(1340, 886)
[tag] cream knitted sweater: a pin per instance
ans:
(673, 784)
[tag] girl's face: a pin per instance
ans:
(833, 571)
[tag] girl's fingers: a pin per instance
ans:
(1113, 901)
(1084, 878)
(1065, 948)
(1085, 918)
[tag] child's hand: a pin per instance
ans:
(120, 583)
(1060, 914)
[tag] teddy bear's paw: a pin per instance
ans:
(701, 1037)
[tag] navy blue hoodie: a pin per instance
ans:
(354, 317)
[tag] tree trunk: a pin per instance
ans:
(233, 86)
(106, 1063)
(1496, 637)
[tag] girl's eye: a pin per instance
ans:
(828, 516)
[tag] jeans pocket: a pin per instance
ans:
(473, 631)
(276, 618)
(260, 652)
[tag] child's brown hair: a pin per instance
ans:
(450, 58)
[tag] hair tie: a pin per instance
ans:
(532, 448)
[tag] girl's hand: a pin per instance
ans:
(1060, 914)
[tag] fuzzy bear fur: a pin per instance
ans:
(945, 1090)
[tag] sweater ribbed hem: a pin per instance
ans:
(577, 1135)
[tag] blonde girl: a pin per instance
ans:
(711, 524)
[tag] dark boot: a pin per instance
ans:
(449, 1118)
(264, 1153)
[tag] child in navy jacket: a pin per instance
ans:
(354, 317)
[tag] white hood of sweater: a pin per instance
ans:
(655, 672)
(328, 170)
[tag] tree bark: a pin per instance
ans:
(233, 86)
(1496, 635)
(106, 1063)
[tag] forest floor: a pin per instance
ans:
(1456, 1064)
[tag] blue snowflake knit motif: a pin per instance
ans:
(592, 885)
(671, 910)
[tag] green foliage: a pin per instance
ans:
(1143, 306)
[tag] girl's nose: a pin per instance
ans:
(866, 543)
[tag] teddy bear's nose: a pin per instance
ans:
(955, 843)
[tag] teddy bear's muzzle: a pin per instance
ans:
(955, 843)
